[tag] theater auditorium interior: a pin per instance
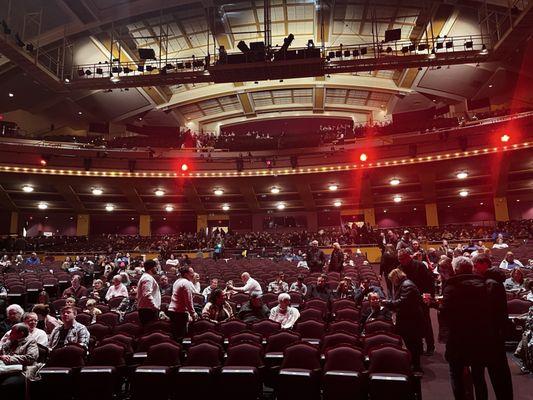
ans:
(266, 199)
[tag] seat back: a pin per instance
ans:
(342, 304)
(311, 313)
(336, 339)
(209, 336)
(349, 327)
(518, 306)
(84, 318)
(122, 339)
(378, 339)
(145, 341)
(279, 341)
(108, 318)
(205, 355)
(245, 337)
(99, 331)
(201, 326)
(316, 303)
(311, 329)
(302, 356)
(230, 328)
(245, 355)
(348, 313)
(344, 358)
(266, 327)
(164, 354)
(129, 329)
(379, 326)
(110, 354)
(389, 359)
(70, 356)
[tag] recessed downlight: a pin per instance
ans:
(275, 190)
(394, 182)
(462, 175)
(218, 192)
(225, 207)
(169, 208)
(337, 203)
(333, 187)
(27, 188)
(397, 199)
(97, 191)
(109, 207)
(281, 206)
(42, 205)
(159, 192)
(463, 193)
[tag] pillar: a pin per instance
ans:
(312, 221)
(501, 211)
(14, 224)
(82, 226)
(432, 216)
(201, 222)
(145, 228)
(370, 216)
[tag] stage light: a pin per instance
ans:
(484, 50)
(363, 157)
(159, 192)
(67, 80)
(43, 162)
(218, 192)
(109, 207)
(42, 206)
(463, 193)
(397, 199)
(97, 191)
(225, 207)
(27, 188)
(169, 208)
(11, 95)
(394, 182)
(184, 167)
(333, 187)
(337, 203)
(280, 206)
(505, 138)
(274, 190)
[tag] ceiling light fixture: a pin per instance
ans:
(225, 207)
(159, 192)
(42, 205)
(27, 188)
(462, 175)
(505, 138)
(274, 190)
(397, 199)
(97, 191)
(169, 208)
(109, 207)
(363, 157)
(280, 206)
(394, 182)
(218, 192)
(463, 193)
(333, 187)
(11, 94)
(337, 203)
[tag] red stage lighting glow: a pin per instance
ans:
(505, 138)
(43, 162)
(363, 157)
(184, 167)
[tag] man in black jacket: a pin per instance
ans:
(407, 303)
(253, 310)
(423, 278)
(466, 310)
(315, 257)
(499, 372)
(320, 290)
(336, 260)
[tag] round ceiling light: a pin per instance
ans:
(42, 205)
(337, 203)
(333, 187)
(97, 191)
(109, 207)
(505, 138)
(274, 190)
(169, 208)
(218, 192)
(363, 157)
(394, 182)
(27, 188)
(462, 175)
(225, 207)
(463, 193)
(159, 192)
(280, 206)
(397, 199)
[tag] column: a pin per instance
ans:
(145, 228)
(14, 224)
(432, 216)
(201, 222)
(312, 221)
(501, 212)
(370, 216)
(82, 227)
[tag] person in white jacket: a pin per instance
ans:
(284, 313)
(117, 289)
(148, 294)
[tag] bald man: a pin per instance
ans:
(251, 286)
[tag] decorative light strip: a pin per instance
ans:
(265, 172)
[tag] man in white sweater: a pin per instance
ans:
(251, 286)
(284, 313)
(181, 307)
(148, 294)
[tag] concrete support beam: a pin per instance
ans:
(248, 107)
(145, 228)
(432, 217)
(501, 210)
(82, 224)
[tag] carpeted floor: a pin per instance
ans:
(436, 384)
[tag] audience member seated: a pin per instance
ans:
(284, 313)
(117, 289)
(30, 320)
(45, 321)
(364, 289)
(164, 286)
(33, 260)
(375, 311)
(98, 291)
(524, 350)
(279, 285)
(14, 314)
(509, 262)
(71, 332)
(320, 290)
(500, 244)
(92, 310)
(344, 290)
(515, 283)
(213, 284)
(217, 308)
(196, 283)
(299, 286)
(76, 290)
(251, 286)
(19, 351)
(253, 310)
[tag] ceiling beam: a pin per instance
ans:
(319, 99)
(324, 18)
(5, 200)
(218, 24)
(247, 103)
(133, 198)
(304, 190)
(71, 197)
(194, 200)
(500, 174)
(248, 192)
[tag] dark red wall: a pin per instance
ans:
(38, 223)
(520, 210)
(276, 126)
(392, 218)
(240, 222)
(467, 215)
(328, 219)
(117, 224)
(168, 225)
(5, 222)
